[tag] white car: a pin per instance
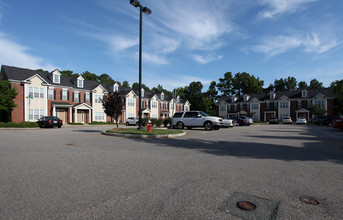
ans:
(287, 120)
(301, 121)
(192, 119)
(132, 121)
(227, 122)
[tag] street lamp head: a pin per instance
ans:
(135, 3)
(147, 11)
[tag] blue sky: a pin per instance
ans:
(183, 41)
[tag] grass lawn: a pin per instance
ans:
(144, 131)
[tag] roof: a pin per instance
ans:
(294, 94)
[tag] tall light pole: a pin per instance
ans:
(147, 11)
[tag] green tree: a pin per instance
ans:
(244, 83)
(337, 87)
(302, 85)
(225, 84)
(113, 105)
(160, 89)
(136, 86)
(290, 83)
(68, 73)
(210, 97)
(315, 84)
(106, 79)
(90, 76)
(6, 99)
(126, 84)
(193, 93)
(317, 110)
(279, 85)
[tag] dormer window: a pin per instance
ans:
(178, 99)
(115, 87)
(233, 99)
(246, 98)
(162, 96)
(56, 76)
(142, 92)
(272, 95)
(304, 94)
(80, 82)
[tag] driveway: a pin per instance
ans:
(77, 173)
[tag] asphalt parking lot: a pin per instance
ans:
(77, 173)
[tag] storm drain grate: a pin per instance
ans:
(250, 207)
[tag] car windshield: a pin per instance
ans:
(203, 114)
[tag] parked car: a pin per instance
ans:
(338, 123)
(49, 122)
(243, 120)
(287, 120)
(227, 122)
(324, 120)
(132, 121)
(273, 121)
(301, 121)
(192, 119)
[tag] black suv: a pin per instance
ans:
(49, 122)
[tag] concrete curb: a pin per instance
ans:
(145, 136)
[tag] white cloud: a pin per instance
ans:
(14, 54)
(120, 43)
(206, 59)
(153, 58)
(310, 42)
(278, 7)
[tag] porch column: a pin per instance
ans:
(89, 116)
(70, 114)
(75, 119)
(54, 111)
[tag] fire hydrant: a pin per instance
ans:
(149, 126)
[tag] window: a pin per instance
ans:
(98, 98)
(36, 92)
(51, 94)
(222, 108)
(35, 114)
(56, 78)
(154, 116)
(161, 105)
(131, 102)
(99, 116)
(304, 93)
(115, 88)
(254, 106)
(64, 95)
(30, 91)
(319, 103)
(267, 105)
(80, 83)
(282, 116)
(132, 115)
(76, 97)
(87, 97)
(154, 105)
(171, 106)
(299, 104)
(162, 96)
(255, 117)
(283, 104)
(186, 108)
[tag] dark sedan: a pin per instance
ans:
(49, 122)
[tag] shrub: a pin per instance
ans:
(24, 124)
(159, 122)
(101, 123)
(167, 121)
(73, 123)
(145, 121)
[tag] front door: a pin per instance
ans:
(61, 114)
(81, 117)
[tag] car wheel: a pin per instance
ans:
(180, 125)
(208, 126)
(127, 123)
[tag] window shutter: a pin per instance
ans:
(61, 95)
(79, 97)
(84, 97)
(54, 94)
(73, 96)
(68, 95)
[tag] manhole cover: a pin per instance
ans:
(308, 200)
(246, 205)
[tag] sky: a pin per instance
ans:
(183, 41)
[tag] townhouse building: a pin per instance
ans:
(278, 104)
(74, 99)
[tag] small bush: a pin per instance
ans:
(73, 123)
(159, 122)
(24, 124)
(167, 121)
(145, 121)
(100, 123)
